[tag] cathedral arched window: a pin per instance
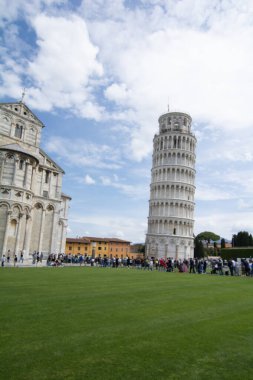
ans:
(18, 131)
(47, 176)
(21, 164)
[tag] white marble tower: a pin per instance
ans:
(171, 205)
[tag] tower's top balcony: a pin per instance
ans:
(175, 121)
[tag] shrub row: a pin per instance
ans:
(233, 253)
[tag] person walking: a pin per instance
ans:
(81, 260)
(8, 257)
(2, 260)
(21, 260)
(15, 260)
(192, 266)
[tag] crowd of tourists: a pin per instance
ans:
(193, 265)
(199, 266)
(6, 260)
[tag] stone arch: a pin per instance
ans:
(38, 205)
(50, 207)
(4, 203)
(16, 210)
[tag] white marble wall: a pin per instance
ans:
(33, 212)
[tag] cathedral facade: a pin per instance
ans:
(33, 209)
(172, 189)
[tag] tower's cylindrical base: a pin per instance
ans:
(169, 247)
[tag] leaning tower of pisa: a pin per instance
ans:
(171, 205)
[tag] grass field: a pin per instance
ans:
(96, 323)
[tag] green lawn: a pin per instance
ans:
(96, 323)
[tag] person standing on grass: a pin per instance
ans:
(247, 268)
(192, 266)
(2, 260)
(80, 260)
(230, 267)
(220, 269)
(8, 257)
(251, 268)
(200, 267)
(204, 266)
(21, 260)
(15, 260)
(151, 264)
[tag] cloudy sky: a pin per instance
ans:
(99, 73)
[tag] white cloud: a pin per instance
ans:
(118, 93)
(200, 59)
(245, 204)
(88, 180)
(111, 226)
(136, 191)
(225, 224)
(85, 154)
(10, 10)
(212, 193)
(65, 62)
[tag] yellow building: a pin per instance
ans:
(78, 246)
(96, 246)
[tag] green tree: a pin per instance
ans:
(208, 236)
(242, 239)
(223, 243)
(198, 248)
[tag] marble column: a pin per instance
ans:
(42, 181)
(41, 229)
(14, 171)
(25, 176)
(53, 247)
(28, 231)
(18, 233)
(63, 237)
(2, 167)
(33, 179)
(50, 184)
(6, 234)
